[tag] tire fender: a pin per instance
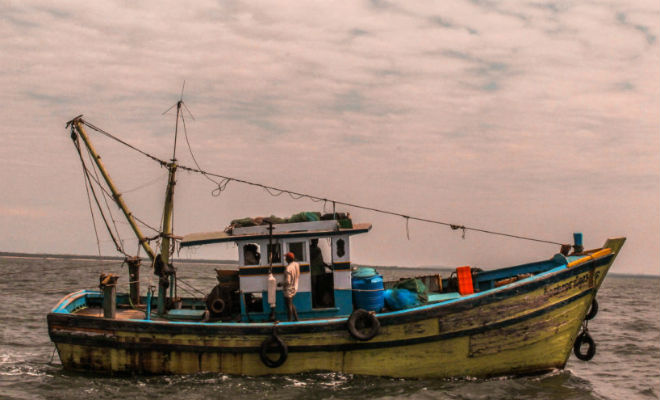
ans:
(582, 338)
(363, 325)
(217, 306)
(274, 341)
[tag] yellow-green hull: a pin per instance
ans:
(526, 327)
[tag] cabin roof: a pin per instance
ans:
(281, 231)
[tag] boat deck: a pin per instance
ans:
(121, 313)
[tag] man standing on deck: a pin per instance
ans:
(317, 266)
(290, 285)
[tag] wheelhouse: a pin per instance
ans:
(322, 248)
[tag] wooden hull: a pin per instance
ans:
(522, 328)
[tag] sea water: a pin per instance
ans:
(626, 365)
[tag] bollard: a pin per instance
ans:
(134, 279)
(108, 283)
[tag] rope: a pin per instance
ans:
(89, 199)
(91, 211)
(144, 185)
(407, 228)
(107, 206)
(222, 184)
(52, 356)
(190, 286)
(188, 292)
(105, 191)
(298, 195)
(101, 131)
(98, 204)
(275, 191)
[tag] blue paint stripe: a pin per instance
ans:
(392, 318)
(103, 341)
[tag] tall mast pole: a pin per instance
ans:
(77, 124)
(168, 209)
(169, 196)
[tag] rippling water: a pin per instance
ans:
(626, 365)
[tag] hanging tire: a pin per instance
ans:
(583, 338)
(276, 342)
(593, 310)
(217, 306)
(363, 325)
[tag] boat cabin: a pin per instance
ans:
(322, 249)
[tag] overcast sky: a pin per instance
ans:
(536, 118)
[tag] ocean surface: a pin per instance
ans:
(626, 365)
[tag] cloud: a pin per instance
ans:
(470, 108)
(446, 23)
(622, 18)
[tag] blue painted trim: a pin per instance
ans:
(486, 280)
(476, 295)
(303, 303)
(344, 301)
(105, 341)
(75, 300)
(470, 301)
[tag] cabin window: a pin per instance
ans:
(275, 252)
(298, 250)
(341, 248)
(251, 254)
(254, 302)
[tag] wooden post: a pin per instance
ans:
(109, 286)
(134, 279)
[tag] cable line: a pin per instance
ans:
(275, 191)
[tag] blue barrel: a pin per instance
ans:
(368, 293)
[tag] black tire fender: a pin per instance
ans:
(582, 338)
(363, 325)
(274, 341)
(593, 310)
(217, 306)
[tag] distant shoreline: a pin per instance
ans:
(10, 254)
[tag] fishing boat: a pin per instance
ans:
(523, 319)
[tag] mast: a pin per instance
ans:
(77, 124)
(161, 262)
(168, 209)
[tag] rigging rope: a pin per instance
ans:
(98, 204)
(91, 211)
(107, 206)
(144, 185)
(190, 286)
(275, 191)
(105, 191)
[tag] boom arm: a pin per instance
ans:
(77, 124)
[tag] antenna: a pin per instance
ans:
(178, 105)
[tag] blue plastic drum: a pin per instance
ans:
(368, 293)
